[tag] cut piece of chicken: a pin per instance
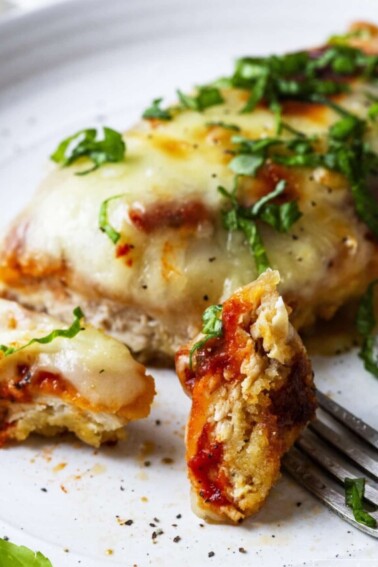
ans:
(77, 380)
(252, 394)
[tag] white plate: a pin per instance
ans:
(87, 62)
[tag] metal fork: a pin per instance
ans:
(337, 444)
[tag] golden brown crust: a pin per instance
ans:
(252, 392)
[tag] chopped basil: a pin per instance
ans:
(292, 76)
(281, 217)
(346, 152)
(69, 333)
(247, 164)
(154, 111)
(103, 220)
(362, 33)
(221, 124)
(365, 324)
(103, 145)
(212, 328)
(373, 111)
(237, 217)
(256, 244)
(205, 97)
(354, 493)
(19, 556)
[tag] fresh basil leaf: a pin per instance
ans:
(373, 111)
(155, 111)
(257, 94)
(209, 96)
(246, 164)
(281, 217)
(365, 325)
(363, 33)
(221, 124)
(13, 555)
(69, 333)
(103, 145)
(256, 245)
(278, 190)
(103, 219)
(368, 356)
(261, 145)
(365, 320)
(354, 493)
(187, 101)
(346, 127)
(206, 97)
(276, 108)
(212, 328)
(366, 206)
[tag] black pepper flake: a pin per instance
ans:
(129, 522)
(214, 175)
(156, 520)
(147, 463)
(152, 525)
(157, 422)
(206, 297)
(122, 488)
(156, 533)
(44, 489)
(242, 550)
(294, 237)
(102, 371)
(211, 554)
(202, 525)
(144, 286)
(299, 504)
(177, 539)
(179, 516)
(273, 535)
(212, 259)
(313, 203)
(5, 538)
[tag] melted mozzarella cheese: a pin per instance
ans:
(173, 268)
(100, 369)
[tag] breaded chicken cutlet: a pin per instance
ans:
(252, 393)
(77, 379)
(271, 166)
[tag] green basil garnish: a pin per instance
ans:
(69, 333)
(103, 145)
(354, 493)
(13, 555)
(365, 324)
(155, 111)
(212, 328)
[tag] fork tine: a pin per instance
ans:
(317, 450)
(308, 475)
(347, 418)
(346, 445)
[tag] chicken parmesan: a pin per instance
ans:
(271, 167)
(252, 393)
(77, 379)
